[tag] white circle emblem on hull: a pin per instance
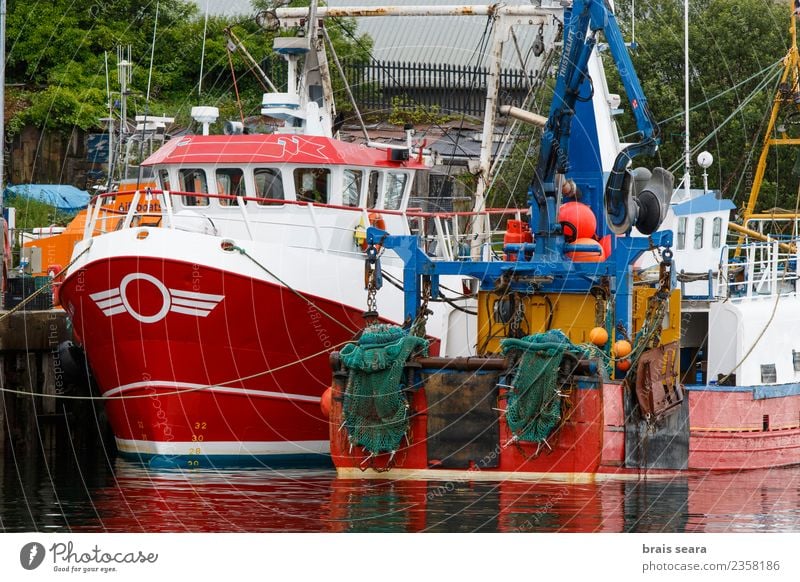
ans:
(166, 300)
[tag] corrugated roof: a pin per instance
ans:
(432, 39)
(438, 39)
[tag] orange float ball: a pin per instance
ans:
(598, 336)
(624, 365)
(621, 348)
(325, 402)
(581, 217)
(597, 256)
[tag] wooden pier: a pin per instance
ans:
(30, 363)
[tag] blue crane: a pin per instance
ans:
(631, 197)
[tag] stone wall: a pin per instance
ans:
(48, 157)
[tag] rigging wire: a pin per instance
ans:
(481, 50)
(776, 65)
(747, 157)
(147, 99)
(396, 83)
(698, 146)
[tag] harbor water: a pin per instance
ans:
(88, 489)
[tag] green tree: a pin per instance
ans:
(730, 42)
(56, 60)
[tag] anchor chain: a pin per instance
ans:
(373, 280)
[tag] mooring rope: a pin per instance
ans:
(44, 287)
(344, 326)
(183, 391)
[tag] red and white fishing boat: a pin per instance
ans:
(207, 307)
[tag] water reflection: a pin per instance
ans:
(98, 494)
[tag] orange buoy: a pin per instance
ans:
(598, 336)
(577, 220)
(624, 365)
(597, 256)
(325, 402)
(376, 220)
(621, 348)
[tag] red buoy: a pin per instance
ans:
(577, 220)
(52, 272)
(325, 402)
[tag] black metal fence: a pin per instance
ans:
(390, 85)
(450, 89)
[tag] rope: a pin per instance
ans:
(44, 287)
(293, 290)
(772, 315)
(177, 392)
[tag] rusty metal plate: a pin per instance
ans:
(463, 425)
(657, 388)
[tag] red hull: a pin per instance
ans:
(198, 361)
(726, 433)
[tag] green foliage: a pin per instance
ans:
(56, 52)
(415, 114)
(59, 107)
(510, 185)
(729, 43)
(33, 213)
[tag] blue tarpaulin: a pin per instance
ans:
(63, 197)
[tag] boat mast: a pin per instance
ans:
(687, 176)
(529, 15)
(788, 89)
(480, 224)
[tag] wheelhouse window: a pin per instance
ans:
(230, 181)
(269, 185)
(681, 243)
(312, 185)
(163, 177)
(351, 194)
(395, 187)
(372, 189)
(716, 233)
(698, 233)
(193, 181)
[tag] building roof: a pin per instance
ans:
(432, 39)
(704, 203)
(439, 39)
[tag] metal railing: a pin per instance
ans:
(760, 269)
(443, 235)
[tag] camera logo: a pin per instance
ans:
(31, 555)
